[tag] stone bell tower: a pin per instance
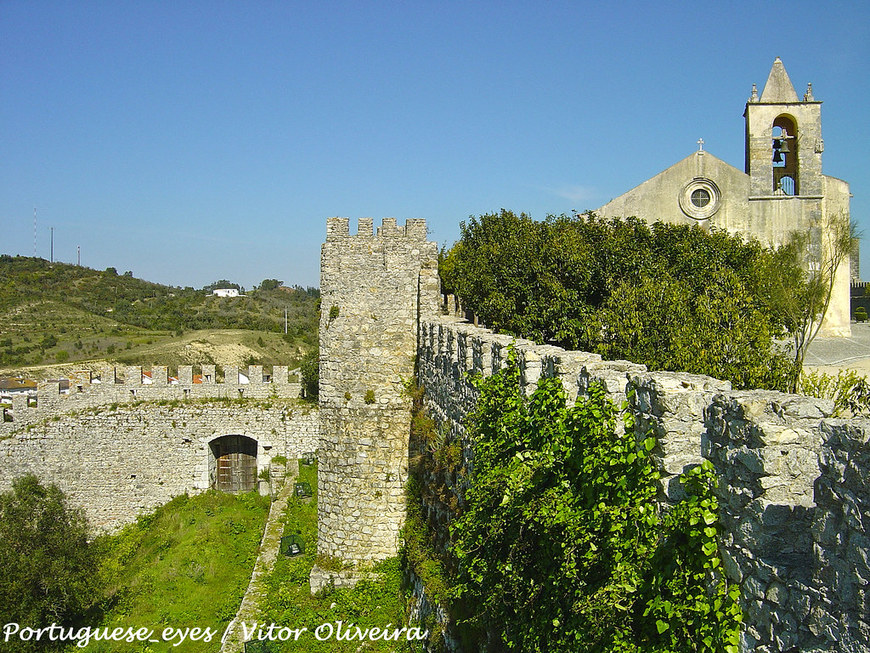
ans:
(374, 288)
(783, 139)
(787, 191)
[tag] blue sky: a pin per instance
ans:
(192, 141)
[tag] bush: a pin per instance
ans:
(860, 314)
(310, 370)
(50, 569)
(672, 297)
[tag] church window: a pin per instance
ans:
(700, 197)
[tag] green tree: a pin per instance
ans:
(669, 296)
(800, 280)
(310, 371)
(50, 569)
(270, 284)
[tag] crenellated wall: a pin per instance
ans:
(116, 461)
(794, 489)
(132, 383)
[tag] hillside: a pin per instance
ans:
(56, 313)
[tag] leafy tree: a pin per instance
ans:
(270, 284)
(800, 280)
(669, 296)
(310, 371)
(49, 566)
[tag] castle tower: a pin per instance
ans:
(374, 288)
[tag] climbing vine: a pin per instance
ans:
(561, 546)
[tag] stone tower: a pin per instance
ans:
(374, 288)
(783, 140)
(787, 190)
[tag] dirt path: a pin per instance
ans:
(233, 641)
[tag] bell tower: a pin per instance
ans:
(783, 139)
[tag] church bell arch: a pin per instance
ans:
(784, 146)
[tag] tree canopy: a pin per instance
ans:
(669, 296)
(50, 569)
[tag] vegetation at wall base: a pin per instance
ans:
(374, 603)
(560, 546)
(187, 564)
(670, 297)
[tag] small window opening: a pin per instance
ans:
(700, 197)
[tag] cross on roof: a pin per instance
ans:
(700, 144)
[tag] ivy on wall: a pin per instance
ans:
(561, 545)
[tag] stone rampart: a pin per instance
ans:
(794, 494)
(133, 383)
(116, 462)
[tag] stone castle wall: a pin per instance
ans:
(117, 462)
(373, 288)
(794, 489)
(131, 384)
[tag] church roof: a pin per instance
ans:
(778, 87)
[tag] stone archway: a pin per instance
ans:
(234, 467)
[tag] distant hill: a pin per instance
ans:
(60, 313)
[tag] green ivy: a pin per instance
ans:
(562, 546)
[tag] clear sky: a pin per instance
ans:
(192, 141)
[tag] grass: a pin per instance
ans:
(376, 603)
(186, 565)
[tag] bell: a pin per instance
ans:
(777, 157)
(784, 148)
(777, 144)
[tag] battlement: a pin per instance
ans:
(414, 229)
(113, 385)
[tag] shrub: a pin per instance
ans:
(49, 566)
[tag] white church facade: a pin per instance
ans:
(780, 191)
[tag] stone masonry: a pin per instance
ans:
(375, 287)
(794, 494)
(118, 449)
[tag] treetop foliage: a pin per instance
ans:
(669, 296)
(50, 569)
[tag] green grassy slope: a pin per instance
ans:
(59, 313)
(186, 565)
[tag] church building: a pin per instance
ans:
(780, 191)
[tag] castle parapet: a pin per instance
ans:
(414, 229)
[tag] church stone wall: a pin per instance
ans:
(793, 482)
(118, 461)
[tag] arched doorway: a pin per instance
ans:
(235, 463)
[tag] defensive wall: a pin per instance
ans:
(133, 383)
(117, 449)
(794, 483)
(794, 494)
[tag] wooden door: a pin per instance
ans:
(236, 463)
